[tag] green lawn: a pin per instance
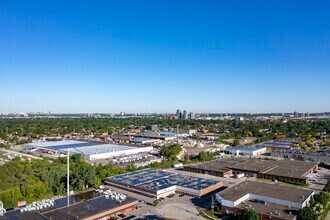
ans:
(207, 213)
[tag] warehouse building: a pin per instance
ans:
(161, 135)
(280, 145)
(159, 184)
(271, 201)
(91, 150)
(281, 170)
(97, 207)
(245, 151)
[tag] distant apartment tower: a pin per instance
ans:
(296, 114)
(185, 115)
(178, 114)
(239, 118)
(191, 115)
(122, 113)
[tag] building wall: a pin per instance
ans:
(124, 209)
(118, 153)
(237, 211)
(277, 201)
(283, 179)
(230, 203)
(165, 192)
(209, 172)
(184, 190)
(245, 152)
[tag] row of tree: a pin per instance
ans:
(37, 127)
(318, 205)
(39, 179)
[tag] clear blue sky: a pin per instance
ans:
(157, 56)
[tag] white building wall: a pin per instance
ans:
(246, 152)
(227, 203)
(237, 202)
(277, 201)
(266, 199)
(118, 153)
(165, 192)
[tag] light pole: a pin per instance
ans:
(68, 178)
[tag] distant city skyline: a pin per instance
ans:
(156, 57)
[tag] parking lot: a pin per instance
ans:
(322, 177)
(178, 206)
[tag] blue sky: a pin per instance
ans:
(157, 56)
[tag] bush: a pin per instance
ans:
(249, 215)
(307, 214)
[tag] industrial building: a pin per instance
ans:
(159, 184)
(161, 135)
(81, 207)
(311, 156)
(248, 151)
(270, 200)
(277, 145)
(145, 140)
(91, 150)
(281, 170)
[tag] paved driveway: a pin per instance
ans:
(179, 211)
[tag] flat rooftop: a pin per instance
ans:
(86, 209)
(270, 209)
(284, 168)
(60, 145)
(82, 147)
(82, 205)
(217, 165)
(255, 165)
(249, 149)
(157, 180)
(139, 177)
(286, 193)
(289, 168)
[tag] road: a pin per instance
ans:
(22, 154)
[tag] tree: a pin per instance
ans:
(322, 198)
(327, 187)
(171, 151)
(307, 213)
(155, 202)
(249, 215)
(186, 158)
(236, 142)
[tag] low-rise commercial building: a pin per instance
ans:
(161, 135)
(91, 150)
(281, 170)
(248, 151)
(81, 207)
(159, 184)
(271, 201)
(277, 145)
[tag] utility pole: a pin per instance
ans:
(68, 178)
(212, 206)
